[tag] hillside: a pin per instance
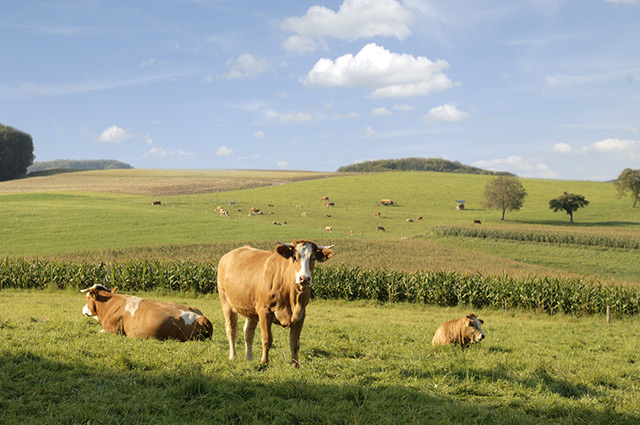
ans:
(418, 164)
(73, 164)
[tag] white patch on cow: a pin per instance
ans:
(479, 336)
(87, 312)
(306, 253)
(188, 316)
(132, 304)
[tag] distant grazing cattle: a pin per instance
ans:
(328, 229)
(232, 202)
(409, 220)
(328, 215)
(298, 206)
(268, 287)
(277, 223)
(377, 214)
(331, 204)
(325, 204)
(224, 212)
(477, 222)
(270, 205)
(386, 202)
(380, 229)
(135, 317)
(157, 203)
(419, 218)
(351, 232)
(324, 198)
(304, 214)
(464, 331)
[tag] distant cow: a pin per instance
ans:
(328, 229)
(409, 220)
(477, 222)
(377, 214)
(157, 203)
(380, 229)
(386, 202)
(419, 218)
(135, 317)
(324, 198)
(463, 331)
(268, 287)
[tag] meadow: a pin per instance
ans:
(57, 368)
(363, 361)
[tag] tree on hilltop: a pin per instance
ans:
(16, 152)
(569, 202)
(504, 193)
(628, 181)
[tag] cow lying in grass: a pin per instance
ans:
(464, 331)
(135, 317)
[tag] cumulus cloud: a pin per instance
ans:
(258, 134)
(245, 66)
(348, 115)
(113, 134)
(381, 111)
(299, 117)
(354, 19)
(282, 164)
(611, 145)
(223, 151)
(561, 148)
(445, 113)
(388, 74)
(162, 153)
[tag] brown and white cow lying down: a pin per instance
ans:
(268, 287)
(463, 331)
(135, 317)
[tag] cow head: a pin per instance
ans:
(472, 331)
(93, 297)
(304, 255)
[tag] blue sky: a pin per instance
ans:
(541, 88)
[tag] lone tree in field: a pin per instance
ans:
(16, 152)
(504, 193)
(628, 181)
(569, 202)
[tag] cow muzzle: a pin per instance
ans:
(303, 280)
(87, 312)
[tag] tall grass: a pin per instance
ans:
(543, 294)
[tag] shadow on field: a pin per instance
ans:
(37, 390)
(577, 223)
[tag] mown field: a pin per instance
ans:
(363, 361)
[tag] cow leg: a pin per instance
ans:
(294, 341)
(249, 332)
(231, 326)
(267, 338)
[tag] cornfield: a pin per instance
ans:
(551, 238)
(542, 294)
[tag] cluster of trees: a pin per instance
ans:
(16, 152)
(506, 193)
(74, 164)
(417, 164)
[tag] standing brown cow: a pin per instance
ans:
(268, 287)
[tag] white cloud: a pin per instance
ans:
(354, 19)
(223, 151)
(381, 111)
(258, 134)
(246, 66)
(369, 132)
(161, 153)
(404, 108)
(113, 134)
(147, 139)
(388, 74)
(561, 148)
(282, 164)
(299, 117)
(624, 1)
(348, 115)
(445, 113)
(611, 145)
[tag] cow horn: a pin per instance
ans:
(96, 286)
(325, 247)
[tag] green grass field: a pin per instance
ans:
(362, 362)
(114, 217)
(56, 367)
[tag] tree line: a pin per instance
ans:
(418, 164)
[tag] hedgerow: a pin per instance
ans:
(543, 294)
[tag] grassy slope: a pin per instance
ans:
(56, 368)
(65, 222)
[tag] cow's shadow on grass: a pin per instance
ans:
(37, 389)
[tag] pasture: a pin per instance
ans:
(362, 361)
(55, 367)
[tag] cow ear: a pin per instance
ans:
(323, 254)
(481, 321)
(285, 251)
